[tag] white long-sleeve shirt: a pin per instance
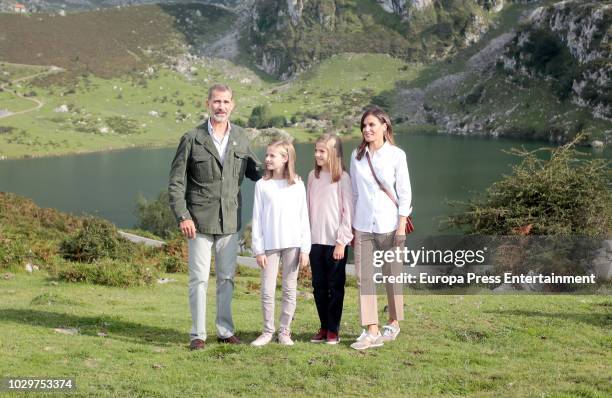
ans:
(374, 211)
(280, 216)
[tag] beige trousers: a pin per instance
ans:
(289, 259)
(365, 245)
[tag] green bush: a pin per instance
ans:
(123, 125)
(174, 264)
(109, 272)
(156, 216)
(562, 195)
(96, 240)
(277, 121)
(260, 117)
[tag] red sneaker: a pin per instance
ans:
(332, 338)
(320, 337)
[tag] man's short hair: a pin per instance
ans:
(220, 87)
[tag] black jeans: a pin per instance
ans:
(328, 278)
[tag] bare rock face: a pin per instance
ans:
(583, 27)
(580, 24)
(294, 9)
(404, 7)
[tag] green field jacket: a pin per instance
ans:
(203, 190)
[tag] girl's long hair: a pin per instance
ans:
(285, 148)
(334, 155)
(383, 118)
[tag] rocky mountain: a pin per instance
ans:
(546, 77)
(568, 42)
(289, 36)
(84, 5)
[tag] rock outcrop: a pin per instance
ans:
(286, 37)
(580, 28)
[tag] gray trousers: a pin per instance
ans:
(200, 249)
(289, 258)
(365, 245)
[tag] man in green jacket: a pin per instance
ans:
(208, 168)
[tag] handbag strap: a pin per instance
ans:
(385, 190)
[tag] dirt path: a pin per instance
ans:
(39, 103)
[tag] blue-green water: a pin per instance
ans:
(107, 184)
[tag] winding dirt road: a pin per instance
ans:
(39, 103)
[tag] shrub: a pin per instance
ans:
(559, 196)
(260, 117)
(174, 264)
(97, 239)
(277, 121)
(564, 201)
(156, 216)
(123, 125)
(108, 272)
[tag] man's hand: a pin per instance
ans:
(262, 261)
(188, 229)
(304, 260)
(338, 252)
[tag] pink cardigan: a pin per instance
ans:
(330, 208)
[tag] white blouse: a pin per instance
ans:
(280, 216)
(374, 211)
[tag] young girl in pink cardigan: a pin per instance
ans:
(330, 203)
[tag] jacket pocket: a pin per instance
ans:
(240, 163)
(195, 197)
(202, 166)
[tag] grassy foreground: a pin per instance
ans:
(481, 346)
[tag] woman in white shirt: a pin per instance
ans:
(379, 222)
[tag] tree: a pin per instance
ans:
(260, 117)
(156, 216)
(561, 195)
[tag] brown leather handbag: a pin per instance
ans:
(409, 224)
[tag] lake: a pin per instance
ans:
(107, 184)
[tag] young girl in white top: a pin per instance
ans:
(330, 206)
(281, 232)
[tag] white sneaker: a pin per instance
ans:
(366, 341)
(390, 333)
(262, 340)
(285, 339)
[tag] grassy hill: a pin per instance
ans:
(110, 42)
(124, 342)
(157, 108)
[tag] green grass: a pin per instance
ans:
(14, 104)
(337, 88)
(9, 72)
(477, 346)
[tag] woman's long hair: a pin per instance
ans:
(334, 156)
(286, 149)
(384, 119)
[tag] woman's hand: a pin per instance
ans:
(400, 233)
(304, 260)
(338, 251)
(262, 261)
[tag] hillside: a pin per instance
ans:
(289, 37)
(135, 76)
(46, 6)
(546, 77)
(110, 42)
